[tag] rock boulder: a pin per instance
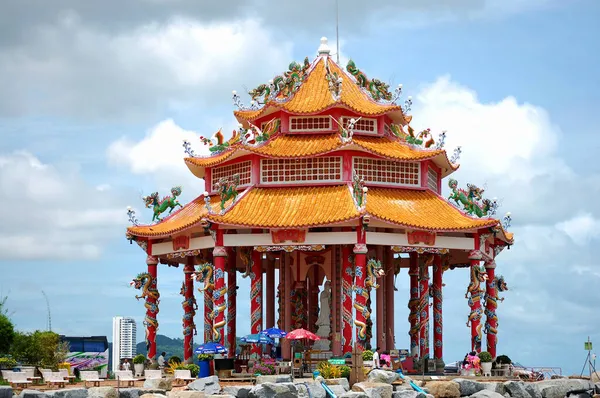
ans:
(382, 376)
(186, 394)
(237, 391)
(443, 389)
(102, 392)
(161, 384)
(468, 387)
(374, 390)
(486, 394)
(274, 379)
(208, 385)
(6, 392)
(274, 390)
(341, 382)
(69, 393)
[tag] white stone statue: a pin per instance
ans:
(323, 322)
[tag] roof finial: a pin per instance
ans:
(324, 47)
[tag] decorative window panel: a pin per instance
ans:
(367, 126)
(310, 123)
(379, 171)
(432, 180)
(264, 124)
(288, 171)
(242, 168)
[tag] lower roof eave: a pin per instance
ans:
(423, 228)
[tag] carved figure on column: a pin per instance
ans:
(324, 320)
(347, 282)
(189, 306)
(474, 294)
(374, 270)
(423, 307)
(147, 283)
(491, 304)
(204, 274)
(413, 306)
(219, 306)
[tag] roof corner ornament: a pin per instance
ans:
(506, 220)
(187, 147)
(359, 191)
(132, 218)
(324, 47)
(456, 155)
(216, 144)
(470, 200)
(441, 140)
(407, 105)
(335, 83)
(346, 133)
(207, 202)
(227, 188)
(160, 206)
(378, 90)
(237, 101)
(256, 136)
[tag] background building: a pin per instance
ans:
(123, 340)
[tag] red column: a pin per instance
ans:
(189, 307)
(231, 308)
(360, 302)
(336, 346)
(256, 290)
(152, 301)
(270, 302)
(424, 310)
(474, 293)
(313, 299)
(389, 300)
(220, 290)
(413, 305)
(208, 308)
(347, 281)
(437, 310)
(491, 303)
(380, 293)
(287, 302)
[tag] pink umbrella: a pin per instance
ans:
(300, 334)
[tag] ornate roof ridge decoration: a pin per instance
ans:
(472, 200)
(254, 136)
(377, 90)
(279, 89)
(227, 188)
(334, 80)
(358, 191)
(158, 206)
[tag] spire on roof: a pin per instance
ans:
(324, 47)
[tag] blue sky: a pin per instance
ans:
(97, 99)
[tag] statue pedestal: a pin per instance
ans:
(324, 343)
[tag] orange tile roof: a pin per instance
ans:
(210, 160)
(191, 214)
(298, 145)
(420, 210)
(314, 96)
(387, 147)
(291, 207)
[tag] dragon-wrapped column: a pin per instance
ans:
(438, 342)
(152, 300)
(347, 282)
(413, 304)
(256, 301)
(424, 308)
(474, 295)
(220, 290)
(494, 285)
(360, 300)
(231, 308)
(189, 308)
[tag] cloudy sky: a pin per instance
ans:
(96, 98)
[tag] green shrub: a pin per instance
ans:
(367, 355)
(329, 371)
(205, 357)
(7, 363)
(345, 371)
(485, 356)
(139, 358)
(193, 368)
(503, 360)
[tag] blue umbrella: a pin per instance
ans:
(257, 339)
(274, 333)
(210, 348)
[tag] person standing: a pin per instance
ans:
(376, 361)
(126, 365)
(161, 360)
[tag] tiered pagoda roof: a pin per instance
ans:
(322, 88)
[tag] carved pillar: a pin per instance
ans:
(474, 294)
(189, 308)
(413, 304)
(380, 294)
(152, 308)
(280, 295)
(208, 308)
(347, 282)
(438, 323)
(360, 301)
(287, 302)
(231, 308)
(424, 308)
(389, 300)
(256, 290)
(491, 303)
(220, 290)
(337, 308)
(313, 299)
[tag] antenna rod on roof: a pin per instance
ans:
(337, 30)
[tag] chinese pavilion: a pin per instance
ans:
(325, 180)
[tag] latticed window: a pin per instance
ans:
(432, 180)
(367, 126)
(323, 169)
(310, 123)
(380, 171)
(241, 168)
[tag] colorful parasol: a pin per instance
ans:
(300, 334)
(210, 348)
(274, 333)
(258, 339)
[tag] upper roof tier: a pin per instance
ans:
(314, 87)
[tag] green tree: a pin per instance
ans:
(40, 348)
(7, 334)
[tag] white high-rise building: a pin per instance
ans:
(123, 340)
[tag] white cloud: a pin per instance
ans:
(52, 213)
(581, 228)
